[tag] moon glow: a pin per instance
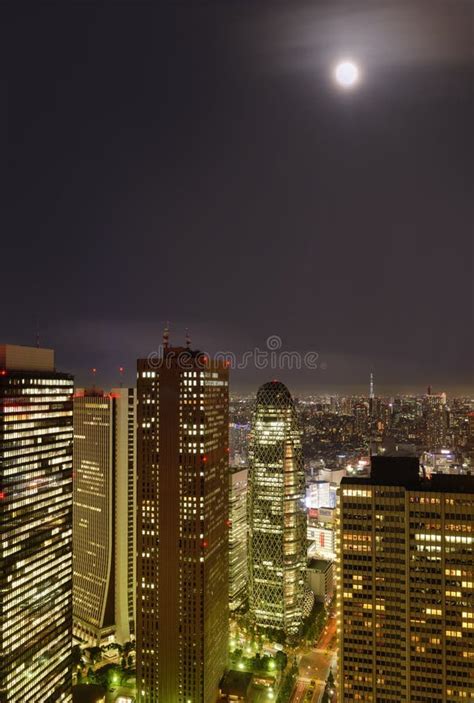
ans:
(347, 74)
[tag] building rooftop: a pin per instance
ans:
(236, 683)
(17, 358)
(88, 693)
(319, 564)
(274, 393)
(405, 472)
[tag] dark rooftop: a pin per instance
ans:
(87, 693)
(236, 683)
(405, 471)
(319, 564)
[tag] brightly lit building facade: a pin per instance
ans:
(183, 524)
(104, 516)
(406, 585)
(36, 438)
(276, 513)
(238, 571)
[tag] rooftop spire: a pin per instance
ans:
(371, 386)
(187, 339)
(166, 336)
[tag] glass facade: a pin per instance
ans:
(104, 471)
(277, 517)
(36, 439)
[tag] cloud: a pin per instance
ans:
(380, 33)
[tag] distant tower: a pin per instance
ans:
(277, 518)
(372, 411)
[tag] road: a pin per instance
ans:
(314, 665)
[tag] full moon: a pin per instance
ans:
(346, 74)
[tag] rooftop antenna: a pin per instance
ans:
(37, 333)
(93, 372)
(121, 372)
(166, 336)
(188, 339)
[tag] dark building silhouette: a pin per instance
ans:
(182, 570)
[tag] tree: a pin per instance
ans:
(288, 684)
(236, 655)
(95, 654)
(128, 647)
(76, 654)
(281, 660)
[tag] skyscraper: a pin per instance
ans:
(36, 527)
(436, 417)
(277, 517)
(183, 485)
(406, 585)
(238, 537)
(104, 515)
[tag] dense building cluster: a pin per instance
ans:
(170, 520)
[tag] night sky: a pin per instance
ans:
(195, 162)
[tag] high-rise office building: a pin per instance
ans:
(276, 515)
(183, 561)
(238, 569)
(36, 527)
(436, 416)
(361, 419)
(406, 585)
(104, 515)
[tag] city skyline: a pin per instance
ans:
(249, 515)
(245, 381)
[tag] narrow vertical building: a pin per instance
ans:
(406, 585)
(36, 438)
(238, 569)
(104, 516)
(277, 516)
(182, 574)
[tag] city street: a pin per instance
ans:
(315, 663)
